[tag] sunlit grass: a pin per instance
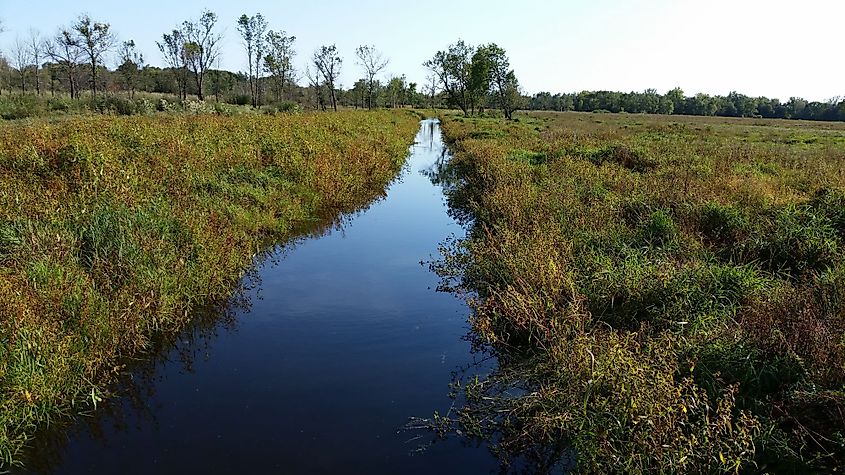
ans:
(113, 230)
(663, 293)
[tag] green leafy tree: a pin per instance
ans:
(202, 47)
(451, 68)
(501, 79)
(328, 62)
(172, 47)
(131, 64)
(95, 39)
(480, 70)
(253, 30)
(279, 60)
(64, 50)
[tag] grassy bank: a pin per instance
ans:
(113, 230)
(664, 294)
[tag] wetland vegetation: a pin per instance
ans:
(654, 292)
(114, 230)
(663, 294)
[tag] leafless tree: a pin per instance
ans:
(36, 51)
(314, 81)
(431, 88)
(373, 63)
(21, 60)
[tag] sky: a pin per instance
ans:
(771, 48)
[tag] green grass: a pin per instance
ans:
(664, 294)
(114, 231)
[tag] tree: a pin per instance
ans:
(501, 78)
(253, 31)
(20, 60)
(359, 93)
(95, 39)
(131, 64)
(172, 48)
(279, 60)
(328, 63)
(452, 69)
(202, 46)
(65, 50)
(373, 63)
(479, 76)
(36, 52)
(396, 91)
(314, 82)
(676, 96)
(431, 89)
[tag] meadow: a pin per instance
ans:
(663, 293)
(116, 231)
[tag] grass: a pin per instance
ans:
(664, 294)
(114, 230)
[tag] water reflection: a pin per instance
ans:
(314, 368)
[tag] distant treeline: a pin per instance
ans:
(675, 102)
(76, 58)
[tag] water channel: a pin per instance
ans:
(341, 339)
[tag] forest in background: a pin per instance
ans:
(86, 55)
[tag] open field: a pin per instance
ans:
(113, 231)
(663, 293)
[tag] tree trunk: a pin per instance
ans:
(70, 81)
(94, 78)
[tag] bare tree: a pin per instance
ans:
(64, 50)
(172, 47)
(314, 82)
(95, 39)
(253, 30)
(21, 60)
(279, 60)
(36, 52)
(202, 46)
(328, 63)
(373, 63)
(431, 89)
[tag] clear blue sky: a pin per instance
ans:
(774, 48)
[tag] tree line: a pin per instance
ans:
(676, 102)
(77, 57)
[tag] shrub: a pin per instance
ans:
(21, 106)
(722, 224)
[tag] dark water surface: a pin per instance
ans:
(341, 341)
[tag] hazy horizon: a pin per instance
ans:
(775, 49)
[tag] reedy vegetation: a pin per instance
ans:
(662, 294)
(114, 230)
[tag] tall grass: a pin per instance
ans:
(663, 294)
(113, 230)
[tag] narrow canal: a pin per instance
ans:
(341, 339)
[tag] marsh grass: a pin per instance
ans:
(114, 231)
(664, 294)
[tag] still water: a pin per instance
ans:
(340, 340)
